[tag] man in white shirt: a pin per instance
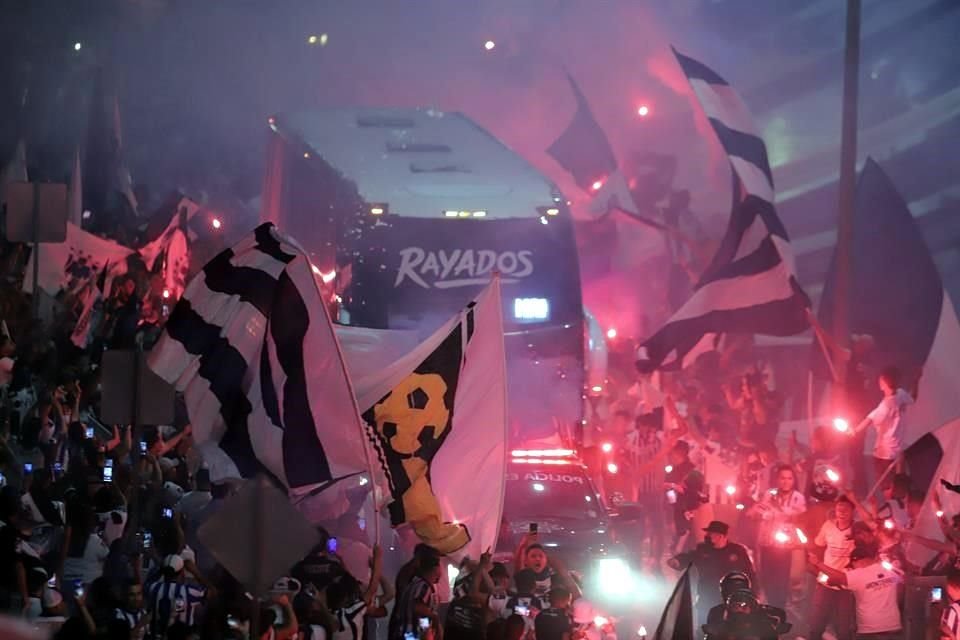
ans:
(888, 419)
(193, 502)
(829, 603)
(876, 587)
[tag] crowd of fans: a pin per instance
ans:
(98, 524)
(816, 529)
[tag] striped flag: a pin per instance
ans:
(677, 620)
(252, 348)
(750, 286)
(897, 297)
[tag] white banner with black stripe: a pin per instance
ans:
(750, 285)
(252, 348)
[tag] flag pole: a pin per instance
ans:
(847, 183)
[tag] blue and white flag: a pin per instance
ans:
(751, 285)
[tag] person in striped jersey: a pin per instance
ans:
(950, 619)
(132, 611)
(171, 599)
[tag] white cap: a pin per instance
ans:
(188, 555)
(173, 561)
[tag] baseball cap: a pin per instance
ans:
(861, 551)
(718, 527)
(173, 561)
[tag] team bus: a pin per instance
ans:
(411, 211)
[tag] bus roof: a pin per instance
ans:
(424, 163)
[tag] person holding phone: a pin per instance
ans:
(84, 549)
(549, 572)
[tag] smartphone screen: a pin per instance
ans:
(167, 512)
(332, 545)
(936, 594)
(27, 467)
(89, 432)
(424, 623)
(520, 610)
(147, 539)
(143, 447)
(108, 474)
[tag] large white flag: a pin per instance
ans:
(68, 266)
(251, 347)
(437, 418)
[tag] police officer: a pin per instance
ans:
(714, 558)
(744, 618)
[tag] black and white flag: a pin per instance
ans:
(751, 285)
(251, 346)
(436, 413)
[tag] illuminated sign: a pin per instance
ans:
(531, 309)
(446, 269)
